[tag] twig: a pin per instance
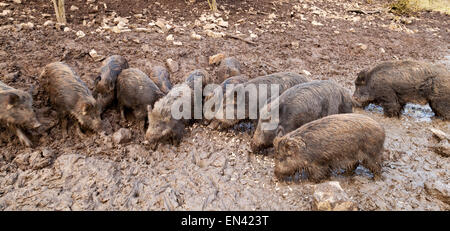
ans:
(239, 38)
(359, 11)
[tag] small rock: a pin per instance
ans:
(195, 36)
(177, 43)
(216, 59)
(306, 72)
(67, 29)
(222, 23)
(49, 23)
(28, 25)
(73, 8)
(170, 37)
(209, 26)
(382, 50)
(17, 1)
(172, 65)
(123, 135)
(438, 190)
(5, 12)
(314, 23)
(95, 56)
(440, 135)
(213, 34)
(330, 196)
(295, 44)
(80, 34)
(362, 46)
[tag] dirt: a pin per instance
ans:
(213, 170)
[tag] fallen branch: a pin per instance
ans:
(239, 38)
(359, 11)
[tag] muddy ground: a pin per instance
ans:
(211, 170)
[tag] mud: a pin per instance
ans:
(213, 170)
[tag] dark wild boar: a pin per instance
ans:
(228, 67)
(341, 141)
(212, 98)
(70, 96)
(284, 80)
(299, 105)
(162, 126)
(16, 112)
(161, 77)
(135, 90)
(393, 84)
(105, 83)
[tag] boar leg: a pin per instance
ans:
(23, 138)
(64, 127)
(79, 132)
(441, 107)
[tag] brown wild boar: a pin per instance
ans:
(16, 112)
(393, 84)
(284, 80)
(105, 83)
(161, 77)
(341, 141)
(228, 67)
(70, 96)
(299, 105)
(135, 90)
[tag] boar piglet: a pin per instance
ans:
(16, 112)
(161, 77)
(284, 81)
(105, 83)
(336, 142)
(70, 96)
(165, 119)
(228, 67)
(393, 84)
(299, 105)
(135, 90)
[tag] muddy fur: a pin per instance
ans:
(196, 74)
(223, 87)
(105, 83)
(339, 141)
(135, 90)
(161, 77)
(393, 84)
(70, 96)
(285, 80)
(228, 67)
(16, 111)
(162, 126)
(299, 105)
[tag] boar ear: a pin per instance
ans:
(85, 108)
(13, 99)
(280, 131)
(97, 79)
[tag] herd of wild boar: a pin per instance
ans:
(316, 130)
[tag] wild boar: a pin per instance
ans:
(341, 141)
(228, 67)
(299, 105)
(70, 96)
(161, 77)
(135, 90)
(16, 112)
(284, 81)
(212, 97)
(393, 84)
(105, 83)
(162, 126)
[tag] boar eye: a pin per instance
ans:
(97, 79)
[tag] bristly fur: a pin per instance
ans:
(393, 84)
(334, 142)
